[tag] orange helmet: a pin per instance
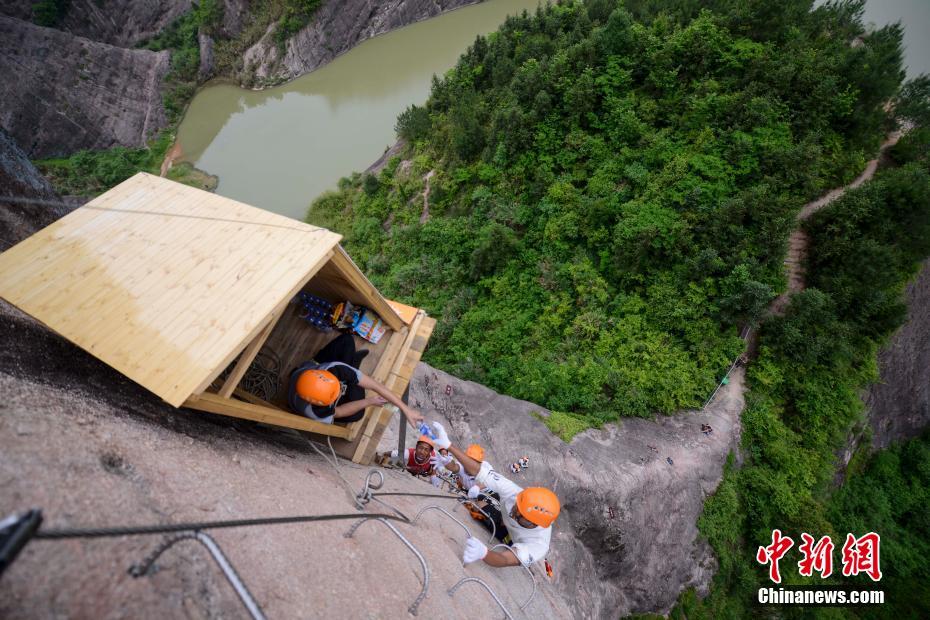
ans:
(318, 387)
(475, 451)
(425, 439)
(538, 505)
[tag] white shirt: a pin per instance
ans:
(530, 545)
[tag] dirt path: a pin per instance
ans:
(174, 154)
(798, 241)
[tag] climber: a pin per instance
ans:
(420, 460)
(464, 481)
(332, 388)
(529, 514)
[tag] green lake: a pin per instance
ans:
(280, 148)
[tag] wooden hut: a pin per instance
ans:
(181, 290)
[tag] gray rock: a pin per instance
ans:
(118, 22)
(234, 15)
(65, 93)
(20, 179)
(899, 405)
(627, 540)
(205, 71)
(338, 26)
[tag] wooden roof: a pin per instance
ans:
(163, 282)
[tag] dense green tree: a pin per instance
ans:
(623, 177)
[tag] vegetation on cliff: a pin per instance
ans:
(813, 363)
(613, 190)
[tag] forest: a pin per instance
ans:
(611, 194)
(613, 189)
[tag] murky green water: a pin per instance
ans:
(280, 148)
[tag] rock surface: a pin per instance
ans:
(118, 22)
(627, 539)
(899, 405)
(91, 448)
(19, 178)
(65, 93)
(338, 26)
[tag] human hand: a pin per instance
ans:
(442, 438)
(414, 417)
(436, 481)
(377, 401)
(474, 550)
(474, 491)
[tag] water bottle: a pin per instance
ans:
(426, 430)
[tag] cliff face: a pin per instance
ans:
(338, 26)
(118, 22)
(66, 93)
(77, 86)
(627, 540)
(899, 405)
(18, 177)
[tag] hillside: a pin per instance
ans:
(610, 198)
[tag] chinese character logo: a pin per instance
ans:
(817, 557)
(773, 553)
(860, 555)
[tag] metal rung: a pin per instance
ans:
(486, 587)
(529, 572)
(245, 596)
(413, 608)
(472, 504)
(445, 512)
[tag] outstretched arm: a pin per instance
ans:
(471, 465)
(413, 416)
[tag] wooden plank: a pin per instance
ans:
(405, 312)
(380, 374)
(374, 300)
(399, 385)
(213, 403)
(278, 310)
(245, 359)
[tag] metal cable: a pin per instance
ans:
(102, 532)
(145, 568)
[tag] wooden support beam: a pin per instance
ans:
(380, 374)
(375, 419)
(255, 400)
(375, 301)
(213, 403)
(245, 360)
(398, 383)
